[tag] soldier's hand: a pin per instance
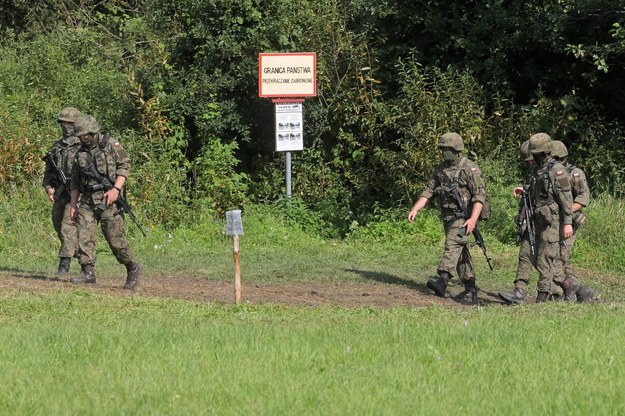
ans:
(412, 214)
(51, 195)
(111, 196)
(470, 225)
(73, 213)
(516, 192)
(567, 231)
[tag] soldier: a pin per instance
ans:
(100, 156)
(526, 257)
(549, 190)
(457, 181)
(581, 198)
(58, 168)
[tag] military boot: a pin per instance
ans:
(584, 294)
(439, 286)
(87, 275)
(132, 276)
(63, 265)
(542, 297)
(570, 286)
(469, 289)
(515, 297)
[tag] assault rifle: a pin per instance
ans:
(49, 159)
(526, 222)
(121, 201)
(479, 240)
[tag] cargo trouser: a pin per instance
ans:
(565, 258)
(457, 257)
(112, 227)
(65, 228)
(525, 264)
(548, 257)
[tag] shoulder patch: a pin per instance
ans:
(576, 174)
(117, 144)
(559, 173)
(475, 170)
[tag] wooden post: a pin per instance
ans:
(234, 227)
(237, 270)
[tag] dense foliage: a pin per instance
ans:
(176, 81)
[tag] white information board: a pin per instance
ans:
(289, 127)
(234, 224)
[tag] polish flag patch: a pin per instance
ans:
(117, 144)
(559, 173)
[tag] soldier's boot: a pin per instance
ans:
(469, 289)
(132, 276)
(557, 293)
(64, 265)
(87, 275)
(439, 286)
(515, 297)
(542, 297)
(570, 286)
(584, 293)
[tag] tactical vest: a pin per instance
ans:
(102, 157)
(452, 178)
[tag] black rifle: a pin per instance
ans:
(121, 201)
(50, 159)
(526, 222)
(479, 240)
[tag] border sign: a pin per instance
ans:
(282, 75)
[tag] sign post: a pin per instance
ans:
(287, 78)
(234, 227)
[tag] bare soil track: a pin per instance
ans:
(347, 294)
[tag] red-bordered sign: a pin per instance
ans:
(283, 75)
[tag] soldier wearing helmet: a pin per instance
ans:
(549, 191)
(58, 167)
(456, 178)
(581, 199)
(100, 156)
(525, 262)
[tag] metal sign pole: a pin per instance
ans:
(288, 175)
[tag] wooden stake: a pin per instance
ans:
(237, 270)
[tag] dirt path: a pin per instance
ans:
(347, 294)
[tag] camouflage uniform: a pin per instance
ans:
(110, 160)
(62, 153)
(470, 186)
(464, 176)
(581, 195)
(550, 192)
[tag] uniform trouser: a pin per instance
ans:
(565, 257)
(457, 256)
(112, 227)
(65, 228)
(548, 257)
(525, 264)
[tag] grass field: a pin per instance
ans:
(79, 353)
(76, 352)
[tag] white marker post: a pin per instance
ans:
(234, 227)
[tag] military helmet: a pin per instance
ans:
(451, 140)
(525, 151)
(69, 114)
(86, 124)
(540, 143)
(558, 149)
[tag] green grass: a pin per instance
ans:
(79, 353)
